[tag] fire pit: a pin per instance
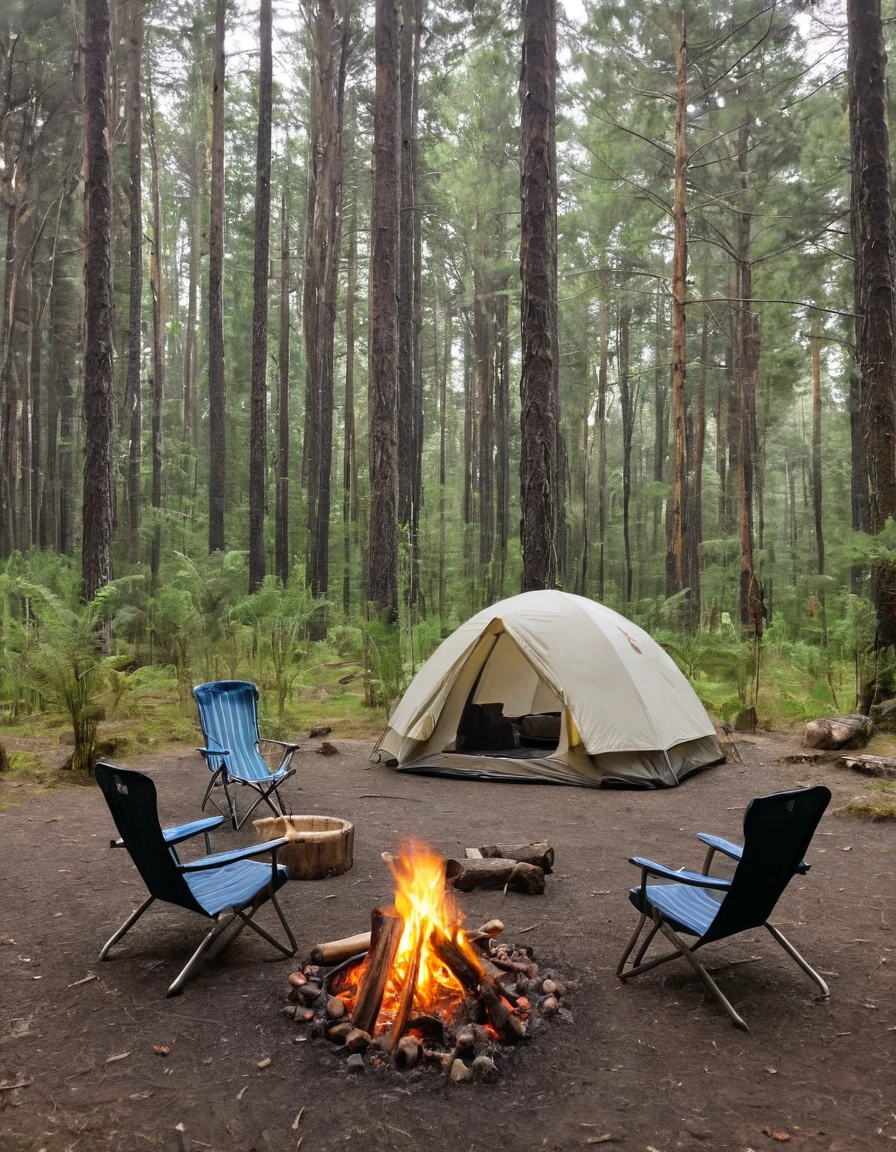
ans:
(425, 992)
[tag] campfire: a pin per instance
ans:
(422, 990)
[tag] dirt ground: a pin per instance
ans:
(654, 1064)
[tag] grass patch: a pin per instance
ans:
(877, 803)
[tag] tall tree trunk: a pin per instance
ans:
(383, 376)
(871, 215)
(217, 394)
(539, 387)
(349, 461)
(321, 282)
(502, 430)
(158, 353)
(602, 441)
(258, 408)
(675, 567)
(281, 508)
(627, 402)
(132, 413)
(816, 444)
(96, 552)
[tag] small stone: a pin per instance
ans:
(335, 1008)
(355, 1064)
(339, 1032)
(407, 1053)
(484, 1068)
(297, 979)
(550, 1006)
(357, 1040)
(465, 1041)
(460, 1072)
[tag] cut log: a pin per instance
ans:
(386, 926)
(838, 732)
(541, 854)
(335, 951)
(465, 875)
(883, 767)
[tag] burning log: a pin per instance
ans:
(406, 1001)
(541, 854)
(465, 875)
(385, 936)
(508, 1026)
(336, 951)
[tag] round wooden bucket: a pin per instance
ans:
(319, 846)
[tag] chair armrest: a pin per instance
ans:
(734, 851)
(220, 859)
(181, 832)
(693, 879)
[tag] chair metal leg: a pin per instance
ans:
(633, 939)
(670, 934)
(192, 964)
(647, 942)
(126, 927)
(286, 928)
(806, 967)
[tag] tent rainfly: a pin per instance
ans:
(547, 686)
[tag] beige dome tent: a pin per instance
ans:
(548, 686)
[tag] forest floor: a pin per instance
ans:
(651, 1066)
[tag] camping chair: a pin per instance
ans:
(228, 715)
(225, 882)
(777, 832)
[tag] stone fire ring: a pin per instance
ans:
(319, 846)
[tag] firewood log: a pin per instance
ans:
(385, 936)
(465, 875)
(335, 951)
(508, 1026)
(541, 854)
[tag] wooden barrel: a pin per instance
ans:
(319, 846)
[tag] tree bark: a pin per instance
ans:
(132, 415)
(258, 406)
(281, 507)
(217, 394)
(383, 376)
(96, 554)
(871, 216)
(675, 567)
(539, 388)
(158, 353)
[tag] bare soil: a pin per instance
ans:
(653, 1065)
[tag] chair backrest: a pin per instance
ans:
(777, 832)
(228, 715)
(131, 797)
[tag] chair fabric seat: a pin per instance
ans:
(233, 885)
(690, 910)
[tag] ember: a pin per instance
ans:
(425, 991)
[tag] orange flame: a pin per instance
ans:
(427, 908)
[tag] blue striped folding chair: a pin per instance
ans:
(228, 715)
(777, 832)
(227, 888)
